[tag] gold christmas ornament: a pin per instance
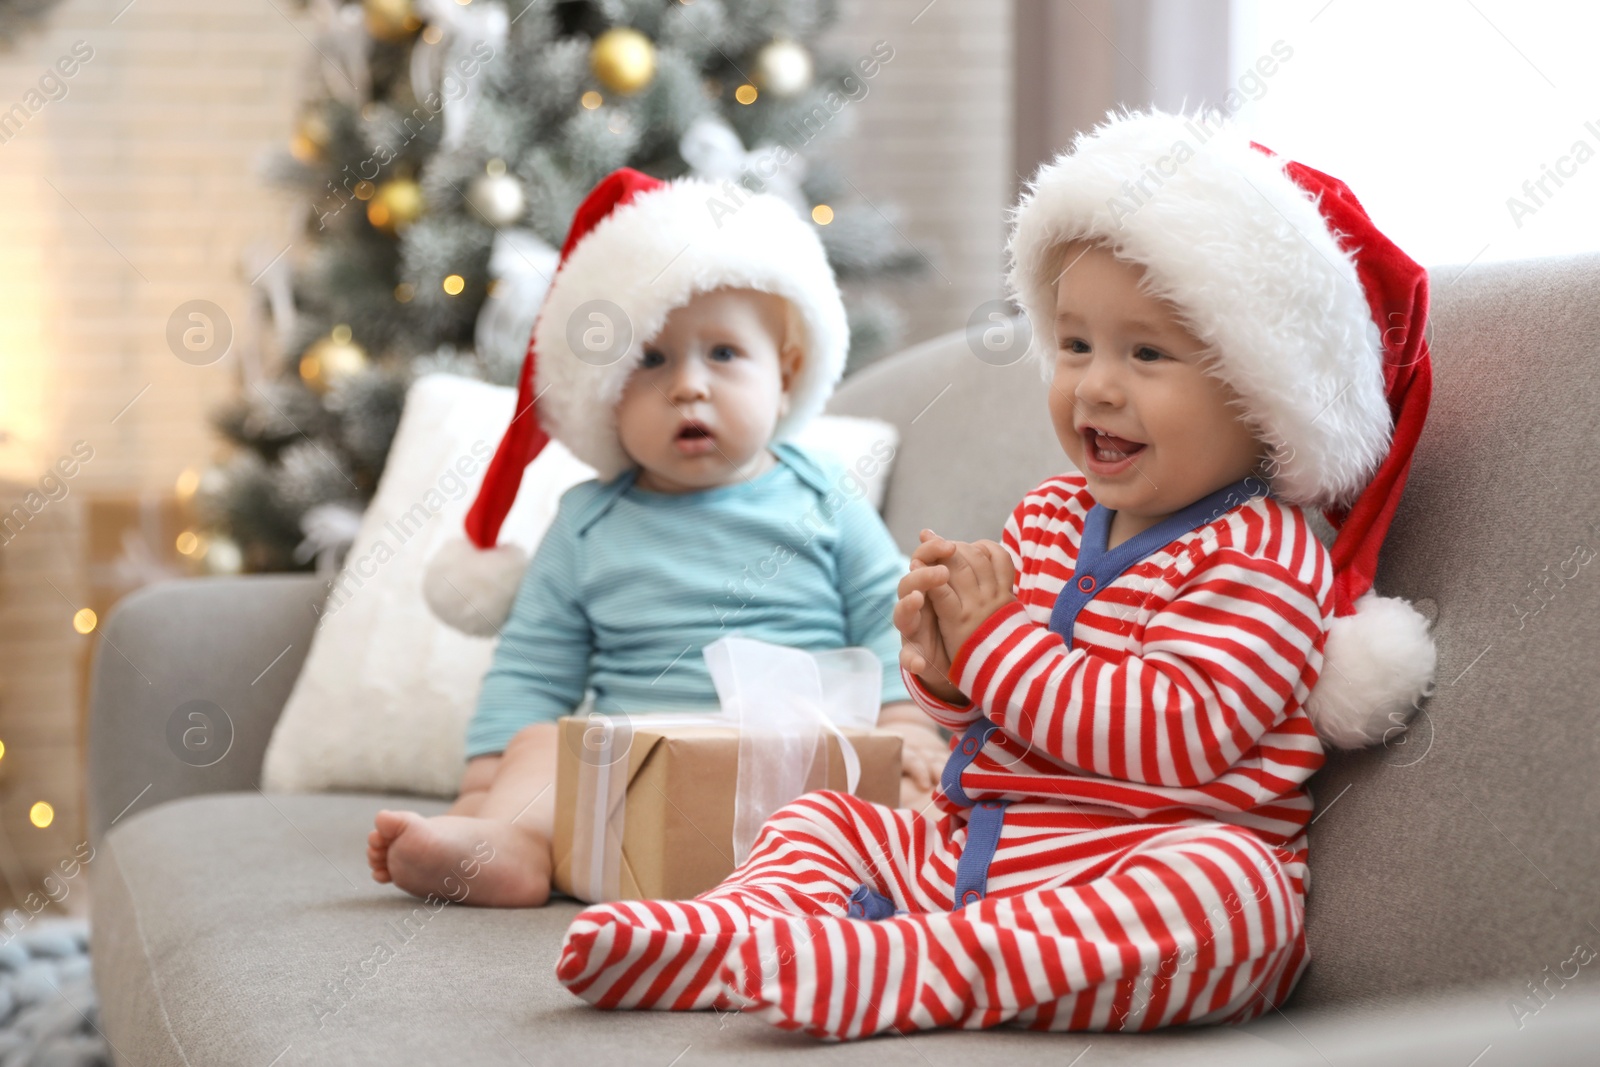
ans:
(311, 138)
(390, 20)
(332, 359)
(623, 59)
(397, 204)
(783, 68)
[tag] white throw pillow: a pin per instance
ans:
(383, 701)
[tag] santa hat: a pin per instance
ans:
(1317, 321)
(638, 248)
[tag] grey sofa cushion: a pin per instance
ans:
(243, 929)
(240, 928)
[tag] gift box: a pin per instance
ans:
(666, 806)
(678, 787)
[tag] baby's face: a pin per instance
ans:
(701, 405)
(1125, 364)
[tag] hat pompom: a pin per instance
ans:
(1376, 665)
(471, 588)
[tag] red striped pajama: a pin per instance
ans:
(1092, 922)
(1151, 862)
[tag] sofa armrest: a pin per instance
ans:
(189, 678)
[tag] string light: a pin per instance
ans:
(822, 214)
(745, 94)
(454, 283)
(591, 100)
(41, 814)
(85, 621)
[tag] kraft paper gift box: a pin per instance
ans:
(677, 785)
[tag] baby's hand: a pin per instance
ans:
(923, 752)
(977, 582)
(922, 650)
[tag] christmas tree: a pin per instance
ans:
(444, 152)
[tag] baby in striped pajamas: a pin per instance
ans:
(1119, 837)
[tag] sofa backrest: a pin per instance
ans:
(974, 436)
(1463, 851)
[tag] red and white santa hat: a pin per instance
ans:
(638, 248)
(1317, 321)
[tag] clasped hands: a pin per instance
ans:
(952, 587)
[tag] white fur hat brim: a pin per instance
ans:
(652, 255)
(1243, 253)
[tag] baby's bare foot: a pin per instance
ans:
(467, 860)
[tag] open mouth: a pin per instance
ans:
(1108, 453)
(693, 431)
(693, 439)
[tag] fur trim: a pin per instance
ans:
(471, 588)
(1244, 254)
(1376, 665)
(651, 255)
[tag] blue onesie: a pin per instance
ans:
(629, 585)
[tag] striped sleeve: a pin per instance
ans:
(1218, 669)
(950, 716)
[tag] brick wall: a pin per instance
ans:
(126, 189)
(934, 136)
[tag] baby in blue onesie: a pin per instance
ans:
(703, 520)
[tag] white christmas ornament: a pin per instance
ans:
(469, 31)
(521, 264)
(783, 68)
(330, 530)
(714, 153)
(223, 556)
(343, 47)
(497, 197)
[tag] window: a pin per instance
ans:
(1469, 129)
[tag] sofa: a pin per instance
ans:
(1455, 891)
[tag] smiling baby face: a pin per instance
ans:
(1133, 403)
